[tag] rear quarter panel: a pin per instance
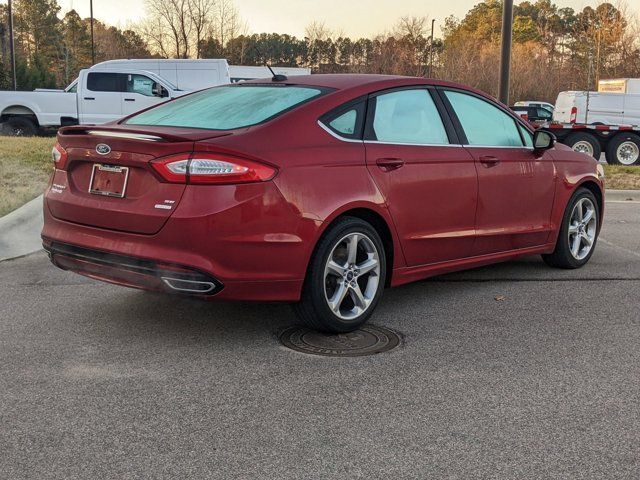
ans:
(320, 176)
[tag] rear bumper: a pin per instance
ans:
(130, 271)
(251, 247)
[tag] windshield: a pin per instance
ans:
(227, 107)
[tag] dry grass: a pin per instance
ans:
(25, 167)
(618, 177)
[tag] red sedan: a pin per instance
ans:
(319, 190)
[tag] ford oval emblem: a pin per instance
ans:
(103, 149)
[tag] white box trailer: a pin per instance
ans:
(597, 122)
(619, 85)
(597, 108)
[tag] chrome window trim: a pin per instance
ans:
(522, 147)
(378, 142)
(335, 135)
(415, 144)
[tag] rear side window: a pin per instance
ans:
(104, 82)
(484, 124)
(345, 123)
(408, 116)
(228, 107)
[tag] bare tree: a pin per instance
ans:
(226, 23)
(317, 31)
(201, 13)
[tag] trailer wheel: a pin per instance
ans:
(19, 127)
(624, 149)
(584, 143)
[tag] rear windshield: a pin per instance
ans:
(227, 107)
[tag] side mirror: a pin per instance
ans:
(543, 140)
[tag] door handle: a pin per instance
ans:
(89, 98)
(129, 99)
(388, 164)
(489, 160)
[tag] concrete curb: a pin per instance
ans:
(622, 195)
(20, 230)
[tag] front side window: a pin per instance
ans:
(227, 107)
(408, 116)
(528, 138)
(104, 82)
(483, 123)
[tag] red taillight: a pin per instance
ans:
(211, 169)
(574, 115)
(59, 156)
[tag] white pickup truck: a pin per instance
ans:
(107, 91)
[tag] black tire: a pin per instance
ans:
(19, 127)
(578, 137)
(617, 141)
(313, 308)
(562, 256)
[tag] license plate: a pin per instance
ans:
(108, 180)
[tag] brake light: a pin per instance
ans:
(212, 169)
(574, 115)
(59, 156)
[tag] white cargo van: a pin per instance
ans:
(238, 73)
(184, 74)
(602, 108)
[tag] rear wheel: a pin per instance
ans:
(578, 233)
(345, 278)
(584, 143)
(624, 149)
(19, 127)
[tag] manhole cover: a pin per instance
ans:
(368, 340)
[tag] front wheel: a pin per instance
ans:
(345, 279)
(578, 233)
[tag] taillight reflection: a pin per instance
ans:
(59, 156)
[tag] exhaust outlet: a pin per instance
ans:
(188, 286)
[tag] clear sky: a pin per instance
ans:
(354, 18)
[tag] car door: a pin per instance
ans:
(141, 92)
(516, 184)
(101, 98)
(428, 179)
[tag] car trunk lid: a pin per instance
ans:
(98, 158)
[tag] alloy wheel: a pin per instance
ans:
(351, 276)
(583, 146)
(583, 225)
(627, 153)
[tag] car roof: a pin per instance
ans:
(368, 82)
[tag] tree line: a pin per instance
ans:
(554, 48)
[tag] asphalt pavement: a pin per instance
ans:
(508, 371)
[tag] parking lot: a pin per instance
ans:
(511, 371)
